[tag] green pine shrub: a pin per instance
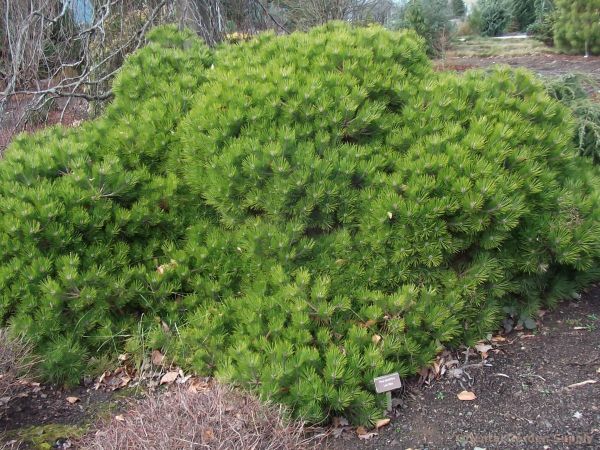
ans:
(85, 213)
(577, 28)
(295, 214)
(410, 208)
(543, 29)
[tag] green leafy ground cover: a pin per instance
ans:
(295, 214)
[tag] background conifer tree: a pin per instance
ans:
(577, 29)
(459, 9)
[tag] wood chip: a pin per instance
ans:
(583, 383)
(381, 423)
(208, 435)
(72, 400)
(466, 396)
(169, 377)
(483, 348)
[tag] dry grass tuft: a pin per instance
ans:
(485, 47)
(13, 365)
(216, 418)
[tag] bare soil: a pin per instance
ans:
(546, 64)
(47, 405)
(523, 399)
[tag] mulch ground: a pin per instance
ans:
(523, 399)
(46, 405)
(549, 64)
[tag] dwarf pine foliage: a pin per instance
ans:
(85, 214)
(295, 214)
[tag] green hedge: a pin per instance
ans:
(295, 214)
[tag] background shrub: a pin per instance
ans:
(573, 91)
(577, 28)
(543, 28)
(295, 214)
(545, 18)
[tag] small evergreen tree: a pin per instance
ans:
(577, 28)
(494, 16)
(523, 13)
(430, 19)
(459, 9)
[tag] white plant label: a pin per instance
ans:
(387, 383)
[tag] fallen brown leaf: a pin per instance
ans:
(361, 430)
(367, 436)
(197, 385)
(208, 435)
(375, 339)
(337, 432)
(157, 357)
(72, 400)
(120, 418)
(340, 422)
(381, 423)
(483, 348)
(466, 396)
(124, 381)
(169, 377)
